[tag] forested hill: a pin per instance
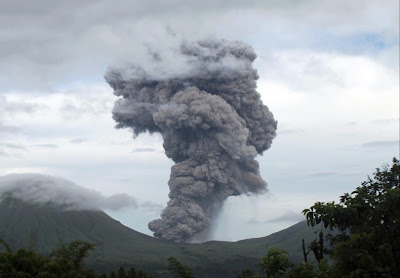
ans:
(116, 245)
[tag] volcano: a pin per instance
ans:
(46, 224)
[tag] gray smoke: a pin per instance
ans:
(212, 121)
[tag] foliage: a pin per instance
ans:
(366, 244)
(65, 261)
(275, 263)
(249, 274)
(73, 254)
(368, 221)
(304, 270)
(179, 270)
(141, 274)
(132, 273)
(122, 246)
(366, 240)
(121, 273)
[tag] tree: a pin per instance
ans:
(141, 274)
(179, 270)
(249, 274)
(317, 246)
(65, 261)
(132, 273)
(303, 270)
(121, 273)
(275, 263)
(74, 253)
(368, 224)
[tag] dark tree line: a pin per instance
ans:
(65, 261)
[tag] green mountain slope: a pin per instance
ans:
(119, 245)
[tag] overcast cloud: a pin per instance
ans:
(44, 42)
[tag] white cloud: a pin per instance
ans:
(382, 144)
(305, 88)
(78, 140)
(42, 189)
(259, 216)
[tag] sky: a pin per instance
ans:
(329, 72)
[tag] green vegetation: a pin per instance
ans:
(363, 228)
(63, 262)
(118, 245)
(275, 263)
(366, 242)
(179, 270)
(368, 221)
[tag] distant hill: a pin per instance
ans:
(119, 245)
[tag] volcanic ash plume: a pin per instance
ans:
(212, 121)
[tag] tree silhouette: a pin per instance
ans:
(179, 270)
(132, 273)
(121, 273)
(368, 221)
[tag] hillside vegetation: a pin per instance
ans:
(116, 244)
(365, 240)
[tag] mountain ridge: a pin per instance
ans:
(118, 245)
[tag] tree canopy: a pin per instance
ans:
(179, 270)
(65, 261)
(368, 222)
